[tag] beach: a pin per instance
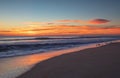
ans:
(12, 67)
(99, 62)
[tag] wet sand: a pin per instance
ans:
(100, 62)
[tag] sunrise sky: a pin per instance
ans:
(59, 17)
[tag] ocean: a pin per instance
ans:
(18, 46)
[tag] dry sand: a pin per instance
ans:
(101, 62)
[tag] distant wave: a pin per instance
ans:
(47, 38)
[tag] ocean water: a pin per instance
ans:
(16, 46)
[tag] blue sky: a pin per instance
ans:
(48, 10)
(55, 17)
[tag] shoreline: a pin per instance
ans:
(99, 62)
(38, 51)
(19, 69)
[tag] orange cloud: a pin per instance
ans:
(70, 21)
(99, 21)
(38, 23)
(5, 31)
(87, 22)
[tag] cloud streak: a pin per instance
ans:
(5, 31)
(99, 21)
(93, 21)
(68, 22)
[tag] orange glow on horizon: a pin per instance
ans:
(60, 30)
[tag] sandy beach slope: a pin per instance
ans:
(101, 62)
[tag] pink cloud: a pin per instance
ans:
(99, 21)
(69, 21)
(94, 21)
